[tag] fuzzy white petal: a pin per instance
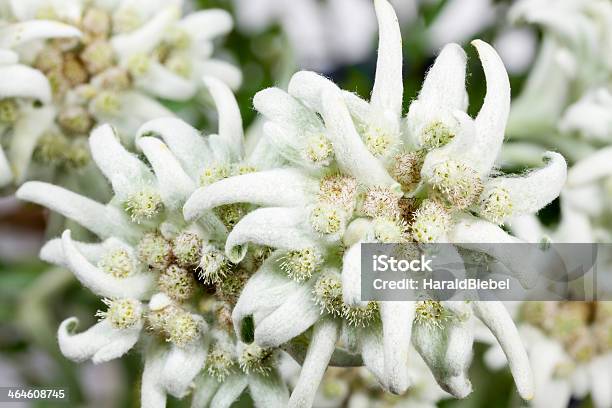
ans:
(533, 191)
(181, 365)
(289, 320)
(104, 221)
(447, 351)
(388, 88)
(53, 251)
(147, 37)
(20, 81)
(495, 316)
(152, 394)
(282, 108)
(16, 34)
(591, 168)
(351, 153)
(163, 83)
(372, 351)
(482, 236)
(601, 381)
(8, 57)
(230, 120)
(26, 132)
(269, 391)
(397, 320)
(266, 290)
(222, 70)
(186, 142)
(207, 24)
(137, 286)
(444, 85)
(324, 337)
(276, 227)
(205, 389)
(175, 185)
(278, 187)
(102, 342)
(229, 391)
(307, 86)
(351, 276)
(123, 169)
(492, 118)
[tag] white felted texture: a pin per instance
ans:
(207, 24)
(101, 342)
(159, 81)
(493, 115)
(277, 188)
(434, 345)
(482, 236)
(322, 344)
(137, 286)
(533, 191)
(591, 168)
(396, 320)
(495, 316)
(104, 221)
(268, 391)
(20, 81)
(230, 120)
(145, 38)
(186, 142)
(126, 172)
(387, 93)
(276, 227)
(294, 316)
(175, 186)
(229, 391)
(13, 35)
(351, 153)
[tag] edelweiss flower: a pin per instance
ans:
(96, 63)
(151, 263)
(570, 348)
(357, 172)
(564, 100)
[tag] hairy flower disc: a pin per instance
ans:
(177, 283)
(154, 251)
(381, 202)
(187, 248)
(220, 362)
(435, 135)
(319, 150)
(300, 265)
(327, 219)
(339, 190)
(255, 359)
(122, 313)
(117, 263)
(430, 222)
(143, 205)
(328, 294)
(406, 169)
(182, 329)
(458, 184)
(496, 206)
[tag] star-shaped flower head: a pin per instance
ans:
(166, 282)
(96, 62)
(356, 171)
